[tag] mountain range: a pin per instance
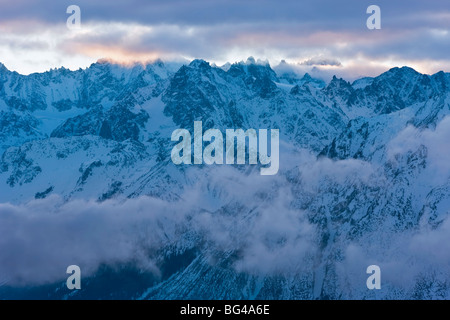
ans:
(364, 179)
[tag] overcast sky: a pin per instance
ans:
(34, 36)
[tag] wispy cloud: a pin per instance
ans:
(220, 31)
(39, 239)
